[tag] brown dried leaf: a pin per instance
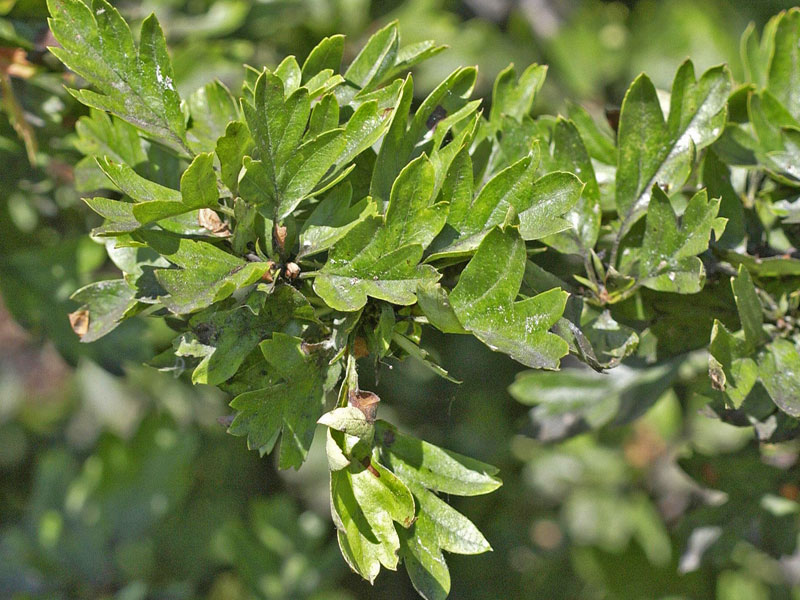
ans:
(208, 219)
(79, 321)
(366, 402)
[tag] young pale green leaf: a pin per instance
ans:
(454, 532)
(104, 305)
(433, 467)
(366, 501)
(437, 527)
(484, 302)
(332, 219)
(290, 407)
(205, 275)
(349, 420)
(751, 314)
(652, 151)
(136, 84)
(364, 550)
(668, 258)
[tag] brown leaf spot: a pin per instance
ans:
(612, 116)
(79, 321)
(368, 466)
(360, 349)
(366, 402)
(790, 491)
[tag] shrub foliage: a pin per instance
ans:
(317, 220)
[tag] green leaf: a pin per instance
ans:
(668, 260)
(231, 149)
(423, 559)
(198, 190)
(716, 177)
(749, 307)
(366, 501)
(572, 401)
(101, 135)
(514, 98)
(423, 467)
(730, 364)
(411, 217)
(136, 84)
(435, 468)
(379, 257)
(106, 304)
(205, 275)
(484, 302)
(400, 144)
(779, 367)
(228, 336)
(599, 141)
(472, 218)
(362, 265)
(289, 168)
(349, 420)
(551, 197)
(435, 304)
(756, 55)
(372, 63)
(570, 154)
(212, 108)
(783, 79)
(437, 527)
(653, 152)
(325, 55)
(290, 407)
(332, 219)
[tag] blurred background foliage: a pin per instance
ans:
(117, 481)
